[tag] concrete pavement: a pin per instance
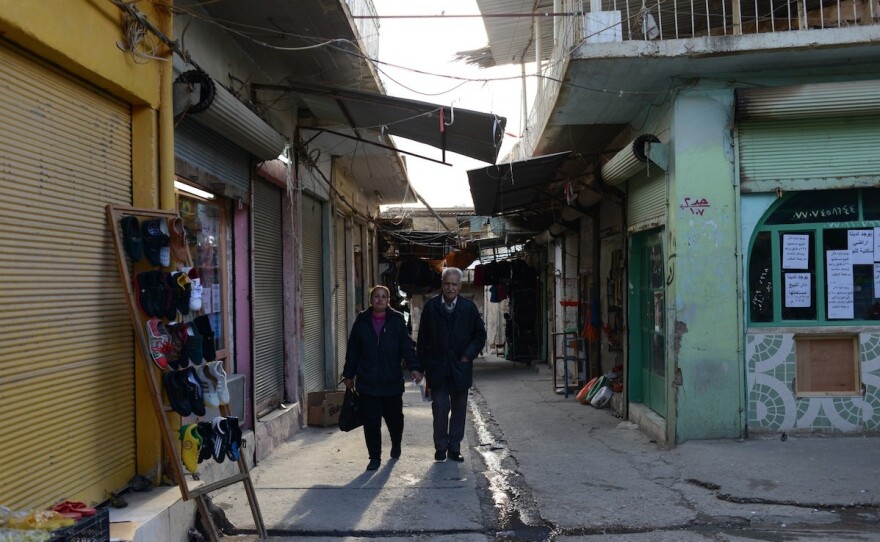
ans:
(539, 466)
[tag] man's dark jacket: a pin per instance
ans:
(442, 340)
(374, 361)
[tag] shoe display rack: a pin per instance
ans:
(169, 434)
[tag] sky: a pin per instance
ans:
(430, 45)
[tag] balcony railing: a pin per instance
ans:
(677, 19)
(630, 20)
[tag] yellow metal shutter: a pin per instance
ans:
(66, 347)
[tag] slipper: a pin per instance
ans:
(190, 444)
(77, 507)
(65, 510)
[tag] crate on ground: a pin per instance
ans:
(323, 407)
(88, 529)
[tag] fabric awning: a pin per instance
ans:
(517, 186)
(462, 131)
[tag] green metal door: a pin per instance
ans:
(649, 337)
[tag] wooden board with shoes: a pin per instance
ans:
(162, 246)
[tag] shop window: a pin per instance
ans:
(813, 260)
(205, 224)
(827, 365)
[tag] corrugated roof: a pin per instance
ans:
(512, 39)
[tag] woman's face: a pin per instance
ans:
(379, 300)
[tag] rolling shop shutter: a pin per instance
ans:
(67, 348)
(646, 201)
(341, 293)
(814, 133)
(268, 301)
(313, 294)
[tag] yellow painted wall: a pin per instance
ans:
(81, 37)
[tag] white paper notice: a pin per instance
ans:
(861, 246)
(840, 284)
(876, 280)
(797, 290)
(795, 251)
(876, 245)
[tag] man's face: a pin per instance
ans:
(451, 286)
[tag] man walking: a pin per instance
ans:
(451, 334)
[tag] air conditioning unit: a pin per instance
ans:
(602, 27)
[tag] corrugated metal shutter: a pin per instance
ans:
(313, 294)
(646, 201)
(212, 153)
(268, 300)
(809, 149)
(66, 350)
(341, 293)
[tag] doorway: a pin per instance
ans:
(648, 308)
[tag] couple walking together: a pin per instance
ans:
(451, 334)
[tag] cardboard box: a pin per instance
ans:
(324, 407)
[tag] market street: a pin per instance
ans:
(542, 467)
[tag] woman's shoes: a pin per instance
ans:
(374, 464)
(395, 451)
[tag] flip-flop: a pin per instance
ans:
(77, 507)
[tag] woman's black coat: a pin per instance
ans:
(377, 362)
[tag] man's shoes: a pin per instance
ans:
(374, 464)
(440, 455)
(455, 456)
(395, 451)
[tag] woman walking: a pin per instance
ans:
(379, 346)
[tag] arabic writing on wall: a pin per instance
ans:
(697, 206)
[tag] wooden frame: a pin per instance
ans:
(169, 438)
(827, 365)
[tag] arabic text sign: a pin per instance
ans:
(861, 246)
(795, 251)
(840, 284)
(797, 290)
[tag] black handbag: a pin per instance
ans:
(350, 415)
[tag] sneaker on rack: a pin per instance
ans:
(190, 444)
(155, 239)
(215, 371)
(208, 387)
(160, 342)
(221, 438)
(195, 298)
(194, 390)
(179, 249)
(232, 427)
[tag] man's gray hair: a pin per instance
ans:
(450, 271)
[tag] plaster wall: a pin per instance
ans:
(703, 322)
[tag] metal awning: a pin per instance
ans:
(462, 131)
(516, 186)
